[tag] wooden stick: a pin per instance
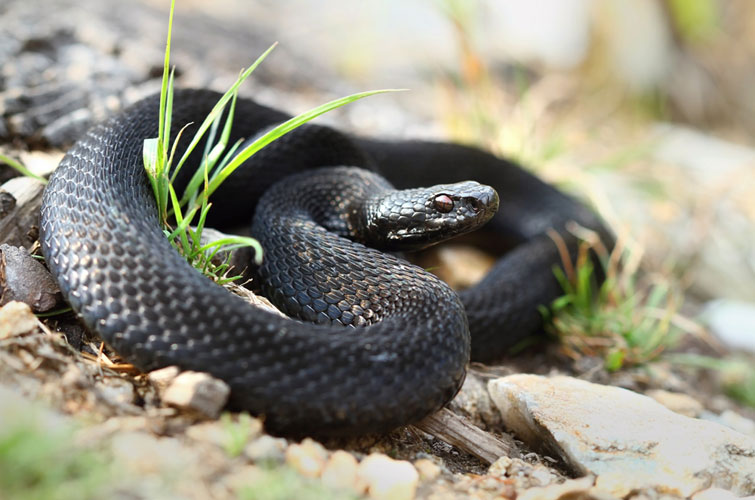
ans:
(460, 432)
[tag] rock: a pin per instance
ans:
(627, 440)
(266, 449)
(522, 474)
(340, 472)
(116, 391)
(718, 494)
(388, 479)
(572, 489)
(16, 318)
(163, 377)
(732, 420)
(147, 454)
(208, 432)
(473, 401)
(428, 470)
(733, 322)
(677, 402)
(199, 392)
(25, 279)
(308, 458)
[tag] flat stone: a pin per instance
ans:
(198, 392)
(16, 318)
(388, 479)
(629, 441)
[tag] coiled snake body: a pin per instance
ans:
(102, 241)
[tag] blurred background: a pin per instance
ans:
(643, 108)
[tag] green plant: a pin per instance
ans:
(219, 161)
(20, 167)
(39, 459)
(619, 320)
(283, 483)
(238, 432)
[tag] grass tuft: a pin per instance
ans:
(622, 321)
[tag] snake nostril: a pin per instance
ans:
(475, 205)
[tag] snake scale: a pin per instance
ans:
(102, 241)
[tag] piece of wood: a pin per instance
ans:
(459, 432)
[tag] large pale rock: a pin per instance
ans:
(628, 440)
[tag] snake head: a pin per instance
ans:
(412, 219)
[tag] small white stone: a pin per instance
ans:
(199, 392)
(117, 390)
(388, 479)
(308, 458)
(16, 318)
(718, 494)
(266, 449)
(146, 454)
(572, 488)
(428, 470)
(340, 472)
(162, 378)
(677, 402)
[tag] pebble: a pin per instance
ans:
(732, 420)
(733, 322)
(117, 391)
(163, 377)
(25, 279)
(570, 489)
(16, 318)
(718, 494)
(308, 457)
(147, 454)
(388, 479)
(629, 441)
(340, 472)
(199, 392)
(428, 470)
(266, 449)
(677, 402)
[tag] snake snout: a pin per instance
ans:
(484, 203)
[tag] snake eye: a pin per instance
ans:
(444, 203)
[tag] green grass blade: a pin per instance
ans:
(285, 128)
(164, 86)
(216, 110)
(17, 165)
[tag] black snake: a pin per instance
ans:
(102, 241)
